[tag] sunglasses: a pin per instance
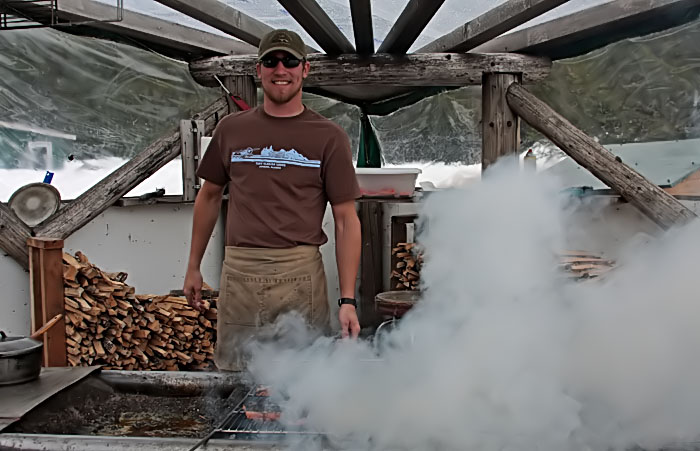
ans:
(289, 62)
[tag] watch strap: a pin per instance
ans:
(350, 301)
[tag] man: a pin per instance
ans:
(282, 163)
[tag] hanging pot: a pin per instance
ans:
(20, 357)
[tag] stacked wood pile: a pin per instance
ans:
(577, 265)
(108, 324)
(407, 261)
(582, 265)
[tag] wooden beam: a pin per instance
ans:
(165, 34)
(431, 69)
(106, 192)
(13, 236)
(361, 11)
(46, 285)
(409, 26)
(595, 27)
(320, 27)
(223, 17)
(501, 126)
(489, 25)
(654, 202)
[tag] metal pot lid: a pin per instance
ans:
(34, 203)
(14, 346)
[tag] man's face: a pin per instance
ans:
(280, 84)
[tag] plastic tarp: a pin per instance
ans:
(117, 99)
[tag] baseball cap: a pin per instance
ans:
(285, 40)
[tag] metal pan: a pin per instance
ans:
(20, 357)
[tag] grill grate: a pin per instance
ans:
(236, 423)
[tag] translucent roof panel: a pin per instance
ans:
(273, 14)
(567, 8)
(155, 9)
(452, 14)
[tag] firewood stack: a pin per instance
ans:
(108, 324)
(577, 265)
(407, 263)
(582, 265)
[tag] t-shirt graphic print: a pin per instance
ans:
(269, 158)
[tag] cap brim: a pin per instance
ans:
(284, 49)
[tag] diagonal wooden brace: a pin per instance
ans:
(662, 208)
(13, 236)
(105, 193)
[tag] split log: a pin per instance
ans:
(582, 265)
(654, 202)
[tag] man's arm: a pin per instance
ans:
(348, 246)
(206, 212)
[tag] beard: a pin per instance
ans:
(280, 97)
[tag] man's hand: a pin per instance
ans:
(349, 324)
(193, 289)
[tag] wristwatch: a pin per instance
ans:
(350, 301)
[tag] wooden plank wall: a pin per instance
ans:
(46, 285)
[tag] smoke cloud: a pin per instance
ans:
(503, 352)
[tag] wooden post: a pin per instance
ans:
(501, 126)
(371, 277)
(191, 132)
(654, 202)
(242, 86)
(46, 285)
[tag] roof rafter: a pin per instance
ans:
(222, 17)
(410, 24)
(316, 22)
(491, 24)
(170, 38)
(361, 11)
(595, 27)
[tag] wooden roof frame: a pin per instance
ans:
(504, 100)
(562, 37)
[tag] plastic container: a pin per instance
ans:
(387, 182)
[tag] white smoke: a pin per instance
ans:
(502, 352)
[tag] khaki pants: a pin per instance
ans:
(258, 285)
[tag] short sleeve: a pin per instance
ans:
(213, 167)
(339, 179)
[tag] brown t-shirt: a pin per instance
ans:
(281, 172)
